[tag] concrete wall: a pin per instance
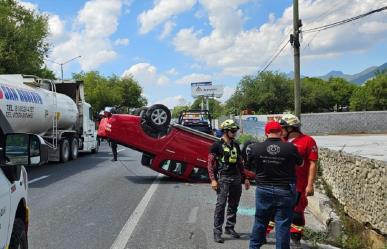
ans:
(327, 123)
(359, 184)
(344, 122)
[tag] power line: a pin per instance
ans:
(274, 57)
(335, 24)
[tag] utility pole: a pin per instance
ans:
(295, 40)
(63, 63)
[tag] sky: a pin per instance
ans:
(167, 44)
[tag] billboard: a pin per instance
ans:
(207, 90)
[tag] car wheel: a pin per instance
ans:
(19, 235)
(64, 150)
(158, 117)
(74, 149)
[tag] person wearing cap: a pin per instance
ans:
(274, 162)
(226, 172)
(307, 148)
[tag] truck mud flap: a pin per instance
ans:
(146, 159)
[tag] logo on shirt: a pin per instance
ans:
(314, 148)
(273, 149)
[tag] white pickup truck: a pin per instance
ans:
(16, 150)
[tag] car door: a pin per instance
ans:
(4, 208)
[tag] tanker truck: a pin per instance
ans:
(54, 110)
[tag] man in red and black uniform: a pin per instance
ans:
(274, 162)
(226, 171)
(306, 175)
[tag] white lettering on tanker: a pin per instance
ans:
(17, 111)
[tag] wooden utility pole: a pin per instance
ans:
(295, 40)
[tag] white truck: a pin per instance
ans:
(55, 110)
(16, 150)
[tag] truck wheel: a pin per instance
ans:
(96, 149)
(158, 117)
(64, 150)
(74, 148)
(19, 235)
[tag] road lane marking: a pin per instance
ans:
(126, 232)
(120, 150)
(37, 179)
(193, 215)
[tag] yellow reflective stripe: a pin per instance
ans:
(300, 228)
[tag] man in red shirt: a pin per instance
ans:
(306, 175)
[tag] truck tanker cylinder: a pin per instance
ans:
(31, 109)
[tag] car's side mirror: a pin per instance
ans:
(25, 149)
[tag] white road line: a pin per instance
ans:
(126, 232)
(120, 150)
(193, 215)
(37, 179)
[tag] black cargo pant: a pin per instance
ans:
(114, 149)
(229, 190)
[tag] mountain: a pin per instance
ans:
(358, 78)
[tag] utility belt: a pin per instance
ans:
(227, 170)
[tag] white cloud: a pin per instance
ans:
(146, 74)
(171, 102)
(237, 51)
(172, 72)
(29, 5)
(227, 93)
(56, 26)
(90, 34)
(168, 27)
(121, 42)
(162, 11)
(195, 77)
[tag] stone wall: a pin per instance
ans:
(359, 184)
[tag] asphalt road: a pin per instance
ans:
(99, 204)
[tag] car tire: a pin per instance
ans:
(158, 117)
(64, 150)
(19, 235)
(74, 149)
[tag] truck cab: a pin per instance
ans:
(16, 151)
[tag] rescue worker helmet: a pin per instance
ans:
(290, 120)
(229, 124)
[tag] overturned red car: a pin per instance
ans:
(171, 149)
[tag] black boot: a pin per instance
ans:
(218, 238)
(232, 232)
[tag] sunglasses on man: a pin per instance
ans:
(233, 130)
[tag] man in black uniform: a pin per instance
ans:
(226, 171)
(275, 164)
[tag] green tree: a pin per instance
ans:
(342, 91)
(372, 96)
(267, 92)
(215, 107)
(101, 91)
(316, 95)
(23, 44)
(177, 109)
